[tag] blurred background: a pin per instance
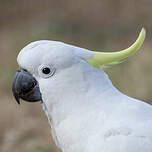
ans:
(103, 25)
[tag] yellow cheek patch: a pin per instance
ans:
(101, 58)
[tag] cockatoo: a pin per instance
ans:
(85, 111)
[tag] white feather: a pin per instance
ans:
(88, 114)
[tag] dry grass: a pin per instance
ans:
(23, 128)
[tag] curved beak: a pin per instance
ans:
(26, 87)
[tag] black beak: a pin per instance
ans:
(25, 87)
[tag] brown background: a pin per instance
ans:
(104, 25)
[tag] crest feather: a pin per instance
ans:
(102, 58)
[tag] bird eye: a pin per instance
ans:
(24, 70)
(46, 71)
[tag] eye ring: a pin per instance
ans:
(46, 71)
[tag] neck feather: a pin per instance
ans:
(75, 87)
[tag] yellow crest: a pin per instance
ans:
(101, 58)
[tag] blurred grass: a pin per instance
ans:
(104, 25)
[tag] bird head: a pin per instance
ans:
(42, 62)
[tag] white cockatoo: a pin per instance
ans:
(85, 111)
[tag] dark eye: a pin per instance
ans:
(24, 70)
(46, 70)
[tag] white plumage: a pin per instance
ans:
(88, 114)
